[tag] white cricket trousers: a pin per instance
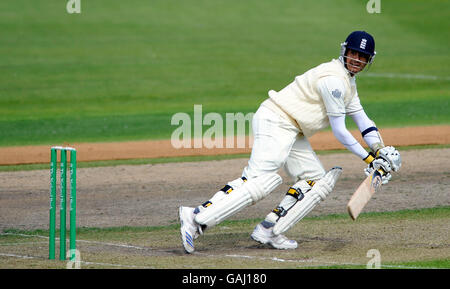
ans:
(278, 143)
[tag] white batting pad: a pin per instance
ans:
(318, 193)
(248, 194)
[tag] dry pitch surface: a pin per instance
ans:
(145, 199)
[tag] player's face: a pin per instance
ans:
(355, 60)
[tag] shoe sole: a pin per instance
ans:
(185, 239)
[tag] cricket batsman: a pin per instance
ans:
(322, 96)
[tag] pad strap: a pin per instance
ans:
(248, 194)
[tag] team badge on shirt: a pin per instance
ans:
(336, 93)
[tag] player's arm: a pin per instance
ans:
(346, 138)
(373, 162)
(386, 158)
(342, 134)
(332, 90)
(366, 126)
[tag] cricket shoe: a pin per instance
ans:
(189, 229)
(266, 236)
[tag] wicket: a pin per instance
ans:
(63, 203)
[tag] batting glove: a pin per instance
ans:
(377, 163)
(391, 155)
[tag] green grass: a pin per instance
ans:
(143, 161)
(400, 236)
(119, 71)
(429, 264)
(407, 214)
(437, 212)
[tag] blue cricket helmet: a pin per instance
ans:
(360, 41)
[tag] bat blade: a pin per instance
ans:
(363, 194)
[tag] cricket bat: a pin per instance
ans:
(365, 191)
